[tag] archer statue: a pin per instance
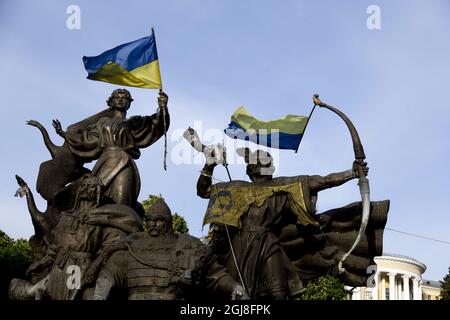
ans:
(268, 234)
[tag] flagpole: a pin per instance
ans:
(306, 125)
(164, 112)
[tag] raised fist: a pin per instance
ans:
(162, 100)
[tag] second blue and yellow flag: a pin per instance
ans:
(285, 133)
(133, 64)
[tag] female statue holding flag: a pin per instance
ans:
(115, 141)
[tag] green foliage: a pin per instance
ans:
(324, 288)
(15, 257)
(445, 285)
(147, 203)
(179, 224)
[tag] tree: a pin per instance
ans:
(179, 224)
(15, 257)
(445, 285)
(147, 203)
(324, 288)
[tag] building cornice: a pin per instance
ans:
(403, 260)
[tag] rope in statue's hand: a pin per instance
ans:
(162, 103)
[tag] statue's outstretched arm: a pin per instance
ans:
(37, 217)
(214, 154)
(319, 183)
(52, 148)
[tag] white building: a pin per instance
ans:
(397, 277)
(431, 290)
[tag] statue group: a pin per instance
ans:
(265, 238)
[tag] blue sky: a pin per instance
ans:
(269, 56)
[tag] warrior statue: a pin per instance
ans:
(267, 231)
(161, 265)
(79, 237)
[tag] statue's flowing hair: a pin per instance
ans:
(117, 91)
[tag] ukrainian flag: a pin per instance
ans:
(133, 64)
(285, 133)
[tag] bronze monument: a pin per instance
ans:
(266, 238)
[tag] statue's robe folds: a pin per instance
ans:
(115, 142)
(65, 167)
(316, 253)
(278, 216)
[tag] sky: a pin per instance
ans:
(271, 57)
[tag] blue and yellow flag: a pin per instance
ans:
(133, 64)
(285, 133)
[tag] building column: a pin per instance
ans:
(405, 287)
(357, 294)
(416, 291)
(399, 290)
(383, 286)
(420, 290)
(392, 286)
(375, 289)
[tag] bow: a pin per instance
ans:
(363, 182)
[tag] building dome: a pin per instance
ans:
(396, 277)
